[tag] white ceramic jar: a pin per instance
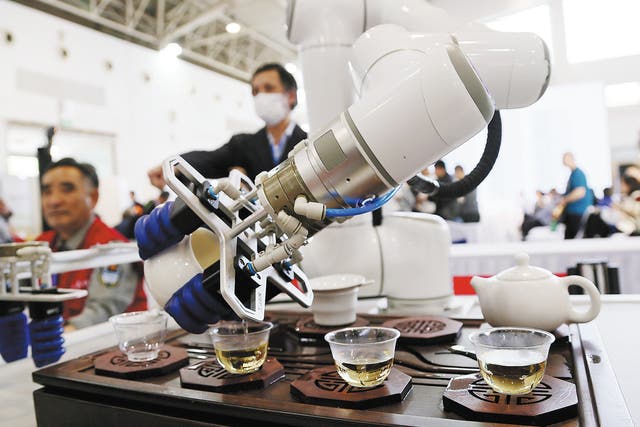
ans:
(335, 298)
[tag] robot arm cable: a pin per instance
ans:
(367, 207)
(476, 176)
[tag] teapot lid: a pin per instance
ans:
(523, 271)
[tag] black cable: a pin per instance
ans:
(475, 177)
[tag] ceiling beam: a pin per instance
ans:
(66, 10)
(160, 18)
(100, 7)
(198, 24)
(268, 41)
(174, 16)
(214, 65)
(137, 15)
(216, 38)
(200, 20)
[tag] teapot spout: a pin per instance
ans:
(479, 285)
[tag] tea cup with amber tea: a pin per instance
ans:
(241, 346)
(363, 356)
(512, 360)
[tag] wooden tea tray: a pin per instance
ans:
(74, 389)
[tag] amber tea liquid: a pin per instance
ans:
(364, 372)
(243, 361)
(512, 371)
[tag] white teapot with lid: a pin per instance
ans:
(532, 297)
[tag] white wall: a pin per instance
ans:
(182, 107)
(623, 129)
(624, 133)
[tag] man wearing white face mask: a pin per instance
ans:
(275, 95)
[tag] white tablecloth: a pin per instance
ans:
(556, 256)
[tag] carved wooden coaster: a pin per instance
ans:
(425, 329)
(116, 364)
(209, 375)
(323, 386)
(552, 401)
(307, 328)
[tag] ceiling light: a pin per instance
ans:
(172, 49)
(291, 67)
(233, 27)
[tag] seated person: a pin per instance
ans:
(541, 215)
(622, 217)
(628, 210)
(69, 195)
(606, 200)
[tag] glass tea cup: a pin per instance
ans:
(363, 356)
(512, 360)
(140, 334)
(241, 347)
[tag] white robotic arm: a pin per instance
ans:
(420, 98)
(514, 67)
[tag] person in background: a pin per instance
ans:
(136, 207)
(69, 192)
(576, 199)
(130, 216)
(628, 210)
(633, 172)
(6, 236)
(446, 208)
(275, 96)
(541, 215)
(606, 200)
(151, 204)
(468, 204)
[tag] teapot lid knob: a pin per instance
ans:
(523, 271)
(522, 259)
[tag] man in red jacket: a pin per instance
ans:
(69, 195)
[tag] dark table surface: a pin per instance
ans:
(431, 367)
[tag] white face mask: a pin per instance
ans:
(271, 107)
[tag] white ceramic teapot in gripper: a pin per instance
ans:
(532, 297)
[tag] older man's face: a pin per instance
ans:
(68, 198)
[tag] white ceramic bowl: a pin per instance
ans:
(335, 298)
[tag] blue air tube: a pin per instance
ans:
(367, 207)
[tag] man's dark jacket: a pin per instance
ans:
(249, 151)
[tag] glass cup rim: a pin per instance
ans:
(474, 337)
(330, 335)
(158, 314)
(269, 326)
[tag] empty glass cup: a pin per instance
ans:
(512, 360)
(241, 347)
(363, 356)
(140, 334)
